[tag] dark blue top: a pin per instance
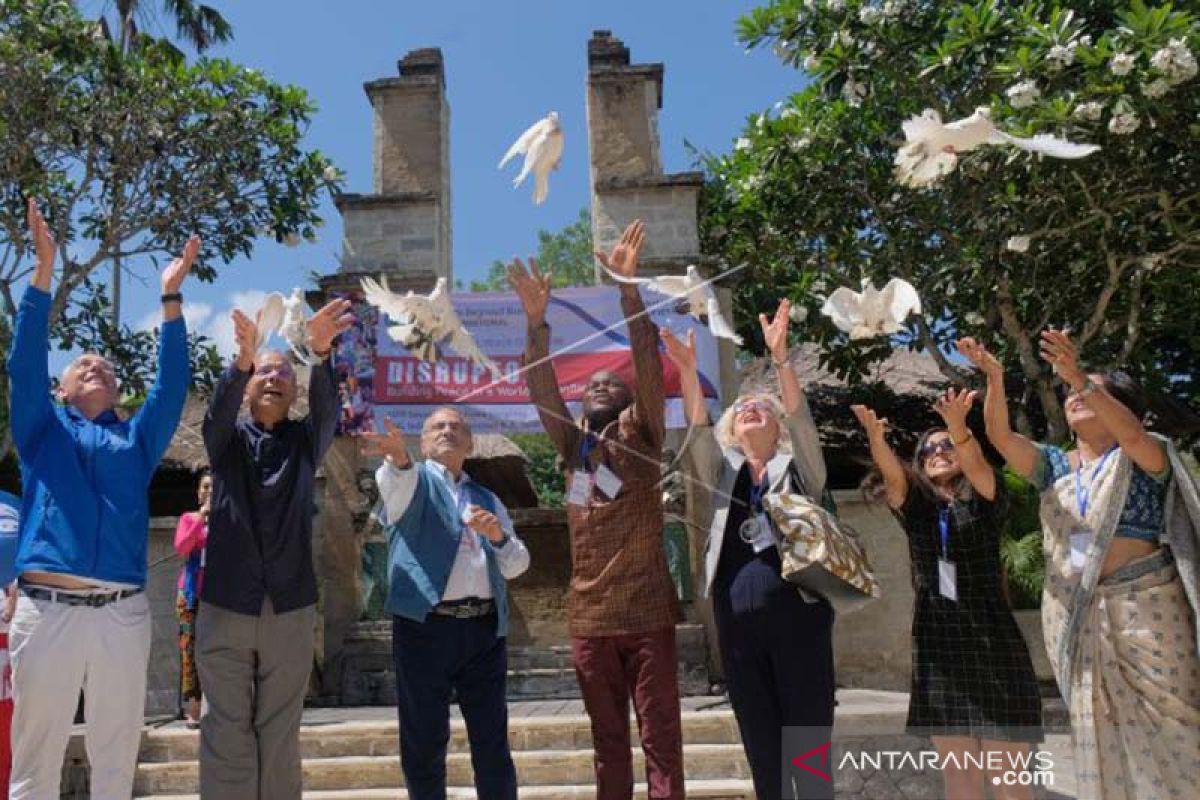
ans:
(746, 581)
(260, 525)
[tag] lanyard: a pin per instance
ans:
(589, 443)
(1083, 494)
(757, 490)
(944, 530)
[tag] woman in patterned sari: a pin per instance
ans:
(1120, 517)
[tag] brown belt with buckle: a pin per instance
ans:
(468, 608)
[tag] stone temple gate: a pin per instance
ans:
(403, 229)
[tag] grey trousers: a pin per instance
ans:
(255, 672)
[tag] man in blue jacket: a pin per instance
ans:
(451, 548)
(82, 619)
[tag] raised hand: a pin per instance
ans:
(775, 331)
(533, 287)
(245, 333)
(875, 426)
(682, 355)
(333, 318)
(953, 407)
(175, 273)
(389, 444)
(485, 522)
(978, 355)
(1060, 351)
(623, 259)
(44, 246)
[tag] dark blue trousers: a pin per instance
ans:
(433, 658)
(778, 662)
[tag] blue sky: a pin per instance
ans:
(507, 63)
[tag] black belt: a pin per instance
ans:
(73, 598)
(467, 608)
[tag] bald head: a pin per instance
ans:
(89, 383)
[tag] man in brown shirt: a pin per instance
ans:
(622, 606)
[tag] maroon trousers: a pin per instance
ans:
(611, 669)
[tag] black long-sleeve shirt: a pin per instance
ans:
(260, 526)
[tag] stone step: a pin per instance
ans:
(534, 768)
(382, 738)
(716, 789)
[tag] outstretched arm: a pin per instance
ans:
(1020, 453)
(158, 417)
(895, 479)
(1146, 451)
(29, 373)
(953, 408)
(326, 324)
(802, 429)
(533, 288)
(649, 404)
(220, 421)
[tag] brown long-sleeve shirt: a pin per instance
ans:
(620, 582)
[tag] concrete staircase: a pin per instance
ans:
(553, 755)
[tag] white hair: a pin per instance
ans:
(724, 427)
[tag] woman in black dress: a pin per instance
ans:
(974, 690)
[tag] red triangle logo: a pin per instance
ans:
(823, 750)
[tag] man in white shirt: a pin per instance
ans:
(451, 549)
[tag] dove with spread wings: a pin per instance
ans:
(422, 322)
(872, 312)
(698, 293)
(294, 328)
(268, 319)
(542, 145)
(931, 147)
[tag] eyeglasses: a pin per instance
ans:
(933, 448)
(752, 405)
(280, 370)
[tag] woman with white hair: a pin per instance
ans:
(776, 643)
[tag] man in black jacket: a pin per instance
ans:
(254, 637)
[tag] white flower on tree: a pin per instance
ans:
(1156, 88)
(1122, 63)
(854, 92)
(811, 62)
(1175, 61)
(742, 144)
(1018, 244)
(1088, 112)
(1124, 123)
(1061, 56)
(869, 15)
(1023, 94)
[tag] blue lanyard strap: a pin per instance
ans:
(757, 490)
(944, 530)
(589, 443)
(1083, 494)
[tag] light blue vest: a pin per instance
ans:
(423, 544)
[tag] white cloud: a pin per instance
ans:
(196, 315)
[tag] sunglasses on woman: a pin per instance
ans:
(933, 448)
(761, 406)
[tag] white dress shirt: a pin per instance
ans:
(469, 574)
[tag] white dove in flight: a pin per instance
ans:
(542, 145)
(931, 148)
(872, 312)
(701, 299)
(294, 329)
(268, 319)
(425, 321)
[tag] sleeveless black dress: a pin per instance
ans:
(971, 670)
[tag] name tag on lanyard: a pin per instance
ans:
(1081, 538)
(947, 572)
(607, 482)
(580, 489)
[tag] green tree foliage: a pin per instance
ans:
(131, 152)
(1009, 243)
(566, 254)
(543, 469)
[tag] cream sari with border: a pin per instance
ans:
(1124, 648)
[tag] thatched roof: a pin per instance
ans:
(187, 453)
